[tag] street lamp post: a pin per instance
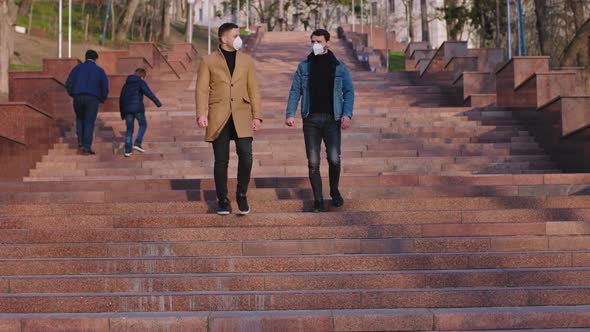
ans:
(362, 18)
(191, 14)
(59, 29)
(70, 29)
(522, 42)
(353, 17)
(105, 25)
(508, 32)
(371, 21)
(238, 14)
(387, 55)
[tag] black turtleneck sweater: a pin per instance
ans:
(230, 58)
(321, 84)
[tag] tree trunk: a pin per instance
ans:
(541, 13)
(281, 15)
(127, 20)
(24, 7)
(424, 19)
(166, 18)
(321, 14)
(577, 7)
(8, 11)
(30, 27)
(410, 14)
(482, 31)
(86, 22)
(577, 52)
(113, 22)
(261, 11)
(178, 10)
(498, 24)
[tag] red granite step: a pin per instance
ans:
(239, 282)
(295, 263)
(372, 226)
(295, 300)
(435, 201)
(263, 196)
(294, 182)
(297, 247)
(542, 319)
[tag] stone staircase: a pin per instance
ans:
(455, 219)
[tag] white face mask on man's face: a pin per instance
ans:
(317, 49)
(237, 43)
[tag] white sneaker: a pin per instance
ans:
(127, 154)
(138, 148)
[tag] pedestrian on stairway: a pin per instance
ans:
(132, 108)
(324, 86)
(89, 86)
(228, 105)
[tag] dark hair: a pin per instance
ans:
(225, 27)
(140, 72)
(321, 32)
(91, 55)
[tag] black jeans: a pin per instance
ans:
(86, 108)
(318, 127)
(221, 151)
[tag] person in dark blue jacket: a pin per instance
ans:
(131, 107)
(89, 86)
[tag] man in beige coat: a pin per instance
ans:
(228, 105)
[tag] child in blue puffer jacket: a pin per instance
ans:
(131, 107)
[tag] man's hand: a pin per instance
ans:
(202, 121)
(290, 122)
(345, 122)
(256, 124)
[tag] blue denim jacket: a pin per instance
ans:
(343, 91)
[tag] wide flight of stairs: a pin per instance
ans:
(455, 219)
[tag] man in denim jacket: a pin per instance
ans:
(324, 85)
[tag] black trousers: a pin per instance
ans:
(317, 128)
(86, 108)
(221, 151)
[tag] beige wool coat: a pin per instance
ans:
(219, 95)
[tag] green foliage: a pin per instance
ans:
(457, 17)
(45, 17)
(397, 61)
(18, 67)
(481, 15)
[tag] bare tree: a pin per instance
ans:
(577, 53)
(24, 7)
(577, 8)
(266, 13)
(424, 19)
(498, 24)
(281, 15)
(113, 21)
(127, 20)
(166, 20)
(8, 11)
(409, 6)
(179, 10)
